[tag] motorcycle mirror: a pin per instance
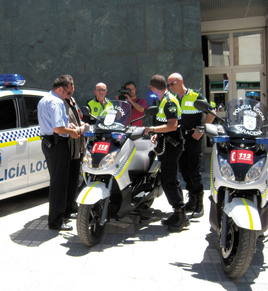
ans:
(152, 110)
(85, 110)
(204, 106)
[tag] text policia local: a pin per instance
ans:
(21, 170)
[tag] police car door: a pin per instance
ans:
(13, 148)
(37, 169)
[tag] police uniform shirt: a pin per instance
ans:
(51, 114)
(171, 112)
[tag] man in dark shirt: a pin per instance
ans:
(168, 122)
(190, 160)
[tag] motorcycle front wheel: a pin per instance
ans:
(88, 223)
(239, 251)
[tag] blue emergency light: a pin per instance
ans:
(11, 80)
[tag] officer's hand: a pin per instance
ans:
(147, 130)
(154, 138)
(197, 135)
(74, 134)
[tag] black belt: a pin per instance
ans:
(54, 138)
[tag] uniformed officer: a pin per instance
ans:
(53, 121)
(168, 131)
(100, 102)
(190, 160)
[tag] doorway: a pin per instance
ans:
(234, 67)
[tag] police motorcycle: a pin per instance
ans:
(120, 169)
(238, 181)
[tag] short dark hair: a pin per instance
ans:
(63, 81)
(159, 82)
(129, 83)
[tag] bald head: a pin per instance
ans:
(100, 91)
(176, 84)
(176, 76)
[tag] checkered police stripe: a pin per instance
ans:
(10, 137)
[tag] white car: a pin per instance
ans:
(23, 167)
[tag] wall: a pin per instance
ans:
(100, 40)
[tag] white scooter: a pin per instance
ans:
(121, 172)
(238, 181)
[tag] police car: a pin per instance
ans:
(23, 167)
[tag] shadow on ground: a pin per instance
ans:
(129, 230)
(210, 268)
(34, 233)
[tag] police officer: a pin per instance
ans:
(167, 125)
(53, 121)
(100, 102)
(190, 160)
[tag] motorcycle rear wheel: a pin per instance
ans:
(238, 254)
(88, 223)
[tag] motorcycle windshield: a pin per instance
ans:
(246, 117)
(116, 115)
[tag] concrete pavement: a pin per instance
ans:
(131, 256)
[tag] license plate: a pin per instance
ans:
(241, 156)
(101, 147)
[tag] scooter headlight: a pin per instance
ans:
(108, 160)
(255, 171)
(87, 160)
(226, 170)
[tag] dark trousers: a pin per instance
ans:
(189, 164)
(169, 177)
(58, 161)
(74, 173)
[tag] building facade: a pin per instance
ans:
(218, 45)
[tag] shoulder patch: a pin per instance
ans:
(172, 109)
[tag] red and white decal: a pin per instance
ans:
(241, 156)
(101, 148)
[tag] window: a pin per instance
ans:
(247, 48)
(31, 109)
(8, 118)
(218, 50)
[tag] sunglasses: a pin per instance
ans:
(172, 83)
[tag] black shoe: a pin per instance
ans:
(176, 221)
(64, 227)
(191, 204)
(197, 213)
(199, 208)
(72, 215)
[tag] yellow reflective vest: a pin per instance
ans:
(160, 116)
(96, 108)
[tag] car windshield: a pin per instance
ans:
(246, 116)
(118, 113)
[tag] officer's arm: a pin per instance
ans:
(171, 125)
(74, 133)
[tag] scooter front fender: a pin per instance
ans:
(244, 213)
(93, 193)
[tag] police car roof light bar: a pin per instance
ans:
(11, 80)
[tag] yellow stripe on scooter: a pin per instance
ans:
(249, 213)
(126, 165)
(215, 192)
(87, 192)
